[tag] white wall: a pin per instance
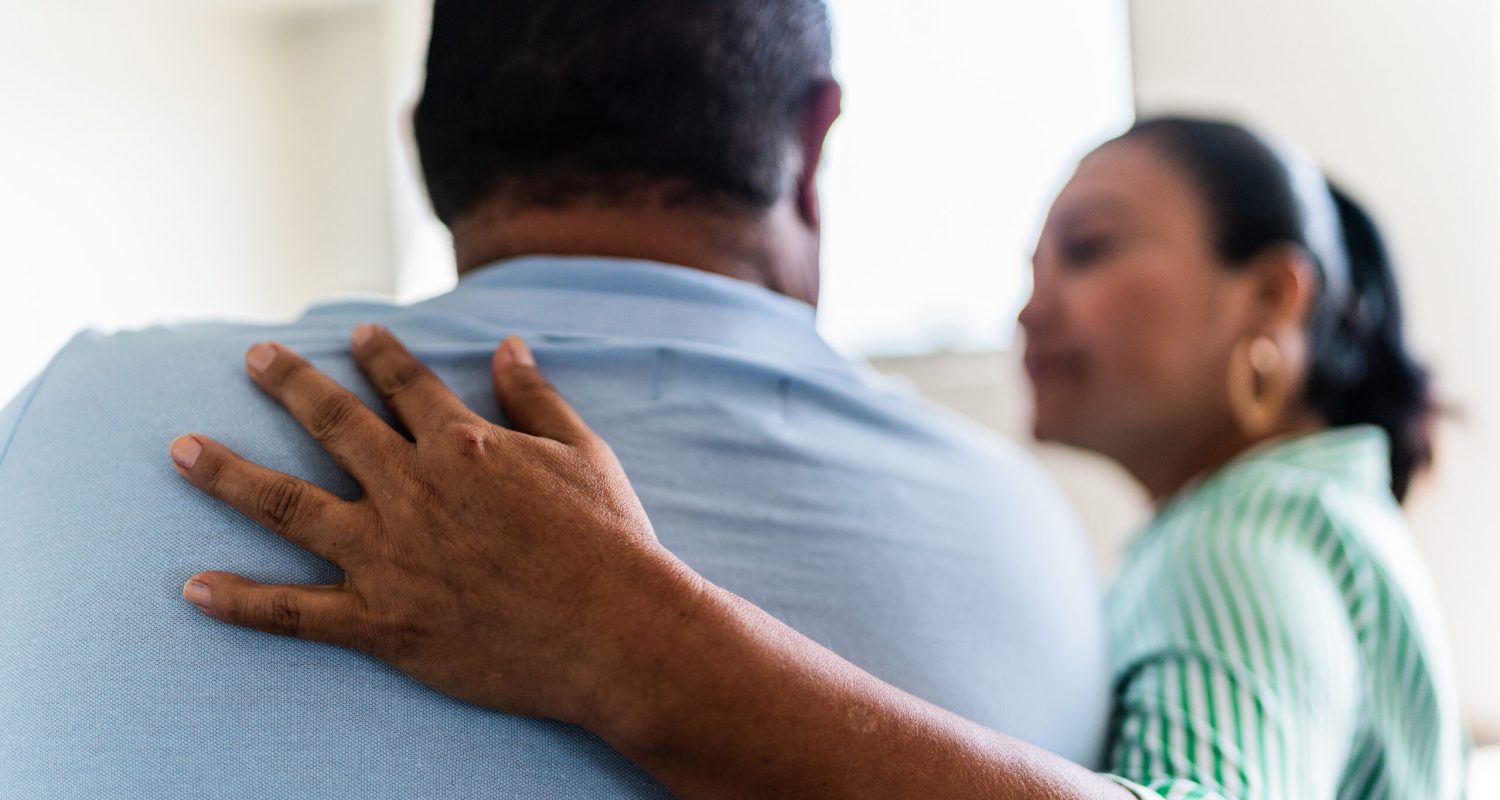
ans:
(1400, 102)
(334, 184)
(937, 175)
(167, 159)
(113, 210)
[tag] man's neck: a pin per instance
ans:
(761, 249)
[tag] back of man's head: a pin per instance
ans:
(553, 102)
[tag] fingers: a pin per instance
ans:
(289, 507)
(417, 397)
(328, 614)
(529, 401)
(358, 440)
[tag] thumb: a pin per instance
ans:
(530, 402)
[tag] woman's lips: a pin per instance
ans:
(1046, 365)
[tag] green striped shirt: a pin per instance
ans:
(1276, 637)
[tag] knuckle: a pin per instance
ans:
(587, 443)
(469, 438)
(396, 634)
(210, 469)
(596, 448)
(360, 636)
(330, 414)
(401, 378)
(396, 638)
(280, 503)
(281, 615)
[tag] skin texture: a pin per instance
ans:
(516, 570)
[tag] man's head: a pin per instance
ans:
(700, 106)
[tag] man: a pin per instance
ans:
(631, 187)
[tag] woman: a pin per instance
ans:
(1208, 312)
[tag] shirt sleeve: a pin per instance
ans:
(1248, 688)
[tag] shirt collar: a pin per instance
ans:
(1359, 454)
(611, 297)
(1356, 454)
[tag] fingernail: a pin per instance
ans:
(185, 451)
(519, 352)
(362, 334)
(261, 357)
(198, 593)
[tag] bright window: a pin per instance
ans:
(961, 120)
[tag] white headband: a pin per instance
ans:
(1321, 228)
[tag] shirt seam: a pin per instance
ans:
(31, 393)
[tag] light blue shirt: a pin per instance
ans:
(916, 545)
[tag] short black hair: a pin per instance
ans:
(555, 101)
(1362, 370)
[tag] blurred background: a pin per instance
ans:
(173, 160)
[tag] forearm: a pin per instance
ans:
(723, 701)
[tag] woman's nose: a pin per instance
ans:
(1039, 307)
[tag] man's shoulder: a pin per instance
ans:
(179, 347)
(119, 381)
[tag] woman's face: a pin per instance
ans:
(1133, 317)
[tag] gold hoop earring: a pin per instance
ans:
(1258, 385)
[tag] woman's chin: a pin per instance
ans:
(1055, 414)
(1046, 429)
(1060, 429)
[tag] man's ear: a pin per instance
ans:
(823, 107)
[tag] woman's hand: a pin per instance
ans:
(514, 569)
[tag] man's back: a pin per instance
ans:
(914, 545)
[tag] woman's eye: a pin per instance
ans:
(1086, 250)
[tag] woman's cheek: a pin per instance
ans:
(1131, 341)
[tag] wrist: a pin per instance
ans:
(631, 681)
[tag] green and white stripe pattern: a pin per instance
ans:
(1276, 638)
